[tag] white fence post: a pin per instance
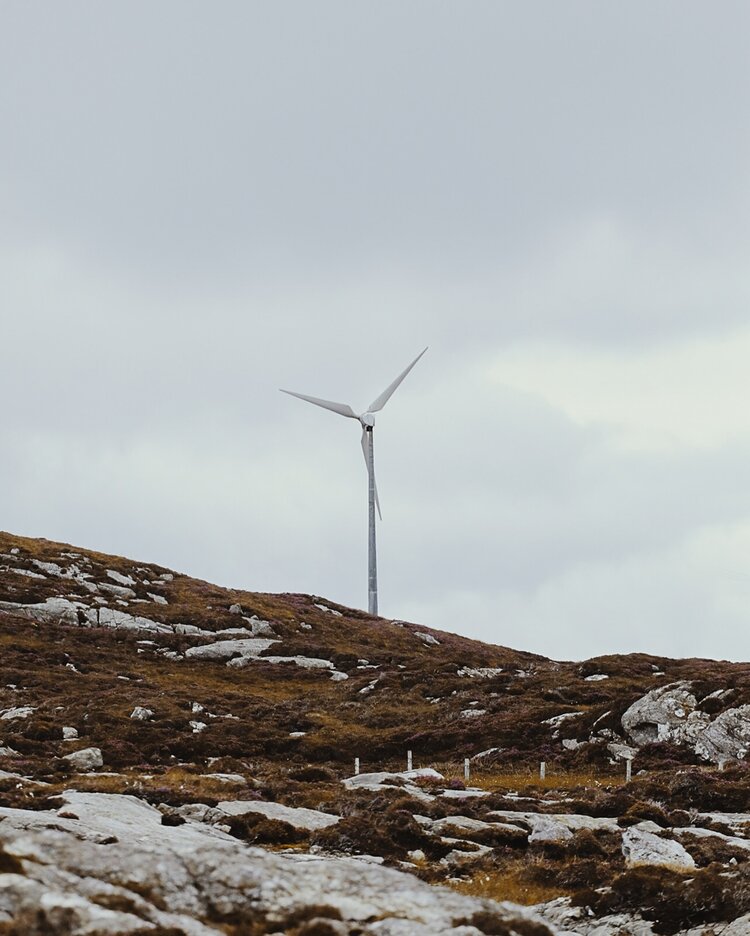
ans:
(467, 768)
(356, 766)
(409, 760)
(628, 770)
(542, 770)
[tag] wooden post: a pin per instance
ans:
(356, 766)
(467, 769)
(542, 770)
(409, 761)
(628, 769)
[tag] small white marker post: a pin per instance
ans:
(467, 768)
(542, 770)
(628, 770)
(356, 766)
(408, 760)
(722, 763)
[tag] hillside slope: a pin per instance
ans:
(127, 686)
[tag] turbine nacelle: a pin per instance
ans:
(367, 420)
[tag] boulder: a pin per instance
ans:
(665, 714)
(309, 820)
(553, 827)
(85, 759)
(69, 734)
(140, 713)
(376, 781)
(226, 649)
(727, 736)
(51, 611)
(19, 711)
(641, 845)
(111, 617)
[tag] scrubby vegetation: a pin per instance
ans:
(288, 732)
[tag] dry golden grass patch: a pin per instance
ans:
(511, 882)
(528, 780)
(177, 780)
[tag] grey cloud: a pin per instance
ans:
(203, 204)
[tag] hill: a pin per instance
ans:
(214, 719)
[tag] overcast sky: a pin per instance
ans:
(203, 202)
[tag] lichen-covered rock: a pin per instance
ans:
(193, 877)
(111, 617)
(299, 818)
(51, 611)
(554, 827)
(140, 713)
(665, 714)
(85, 759)
(226, 649)
(641, 845)
(727, 736)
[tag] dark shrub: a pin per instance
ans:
(642, 811)
(312, 774)
(259, 830)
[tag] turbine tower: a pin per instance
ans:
(367, 421)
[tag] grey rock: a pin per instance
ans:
(376, 781)
(553, 827)
(85, 759)
(69, 734)
(110, 617)
(19, 711)
(140, 713)
(51, 611)
(642, 846)
(259, 628)
(195, 871)
(120, 578)
(727, 737)
(665, 714)
(309, 820)
(227, 649)
(621, 752)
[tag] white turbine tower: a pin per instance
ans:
(367, 420)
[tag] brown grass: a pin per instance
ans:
(511, 882)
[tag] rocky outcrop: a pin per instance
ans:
(642, 845)
(670, 713)
(227, 649)
(309, 820)
(85, 759)
(727, 736)
(116, 869)
(51, 611)
(665, 714)
(554, 827)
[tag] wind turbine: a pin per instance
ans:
(367, 421)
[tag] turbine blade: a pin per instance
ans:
(341, 408)
(366, 442)
(380, 402)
